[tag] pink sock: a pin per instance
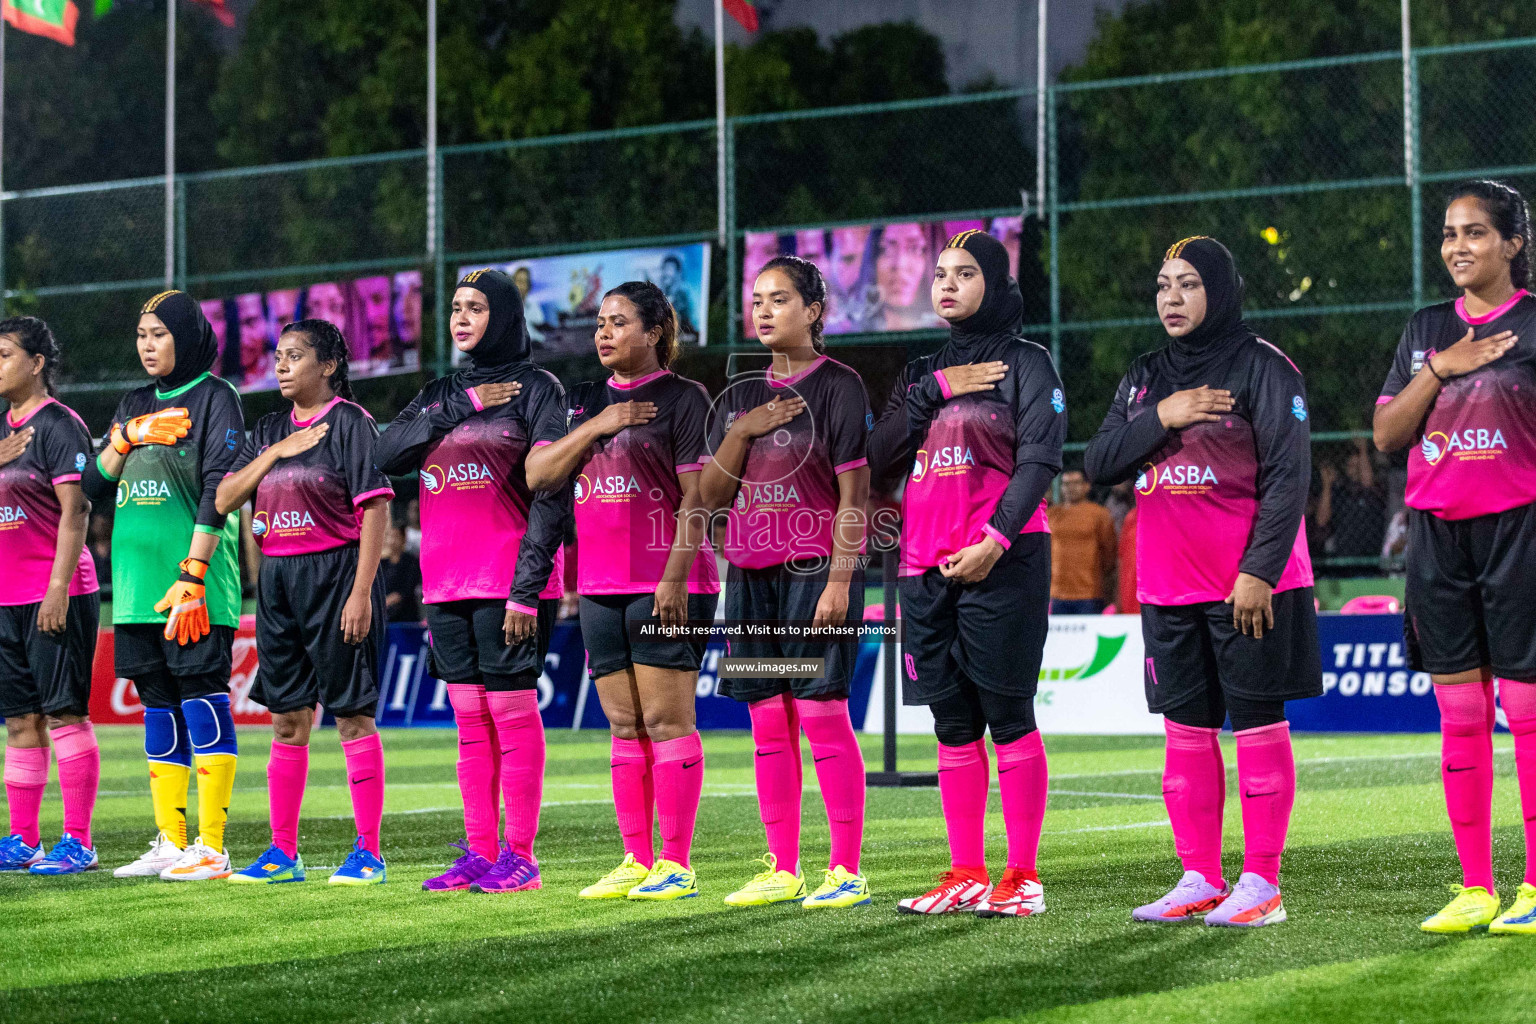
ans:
(1022, 777)
(1466, 769)
(520, 731)
(79, 776)
(840, 771)
(26, 775)
(776, 764)
(1195, 792)
(634, 801)
(1266, 779)
(365, 778)
(287, 774)
(963, 777)
(479, 767)
(679, 770)
(1519, 700)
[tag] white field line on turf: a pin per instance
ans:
(1120, 796)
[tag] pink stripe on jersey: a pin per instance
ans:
(1492, 314)
(513, 606)
(1282, 355)
(1384, 399)
(377, 492)
(541, 444)
(474, 400)
(614, 382)
(39, 407)
(327, 407)
(66, 478)
(845, 467)
(943, 384)
(990, 531)
(784, 382)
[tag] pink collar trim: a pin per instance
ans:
(294, 415)
(1492, 314)
(784, 382)
(614, 382)
(15, 424)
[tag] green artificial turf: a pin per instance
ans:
(1370, 853)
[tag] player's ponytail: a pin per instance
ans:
(36, 339)
(655, 311)
(812, 287)
(324, 337)
(1511, 217)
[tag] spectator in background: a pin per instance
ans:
(401, 574)
(1082, 549)
(1352, 509)
(99, 542)
(1122, 498)
(1129, 604)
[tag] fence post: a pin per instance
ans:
(1415, 168)
(181, 233)
(439, 267)
(1053, 215)
(732, 286)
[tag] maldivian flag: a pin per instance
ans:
(51, 19)
(218, 9)
(744, 12)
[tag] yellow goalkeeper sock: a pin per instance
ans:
(168, 793)
(215, 782)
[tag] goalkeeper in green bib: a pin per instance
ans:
(176, 578)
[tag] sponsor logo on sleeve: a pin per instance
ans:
(1058, 400)
(869, 421)
(232, 439)
(1299, 408)
(79, 462)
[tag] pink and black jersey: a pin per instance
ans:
(1476, 450)
(1213, 499)
(313, 501)
(786, 506)
(627, 491)
(476, 507)
(979, 464)
(29, 508)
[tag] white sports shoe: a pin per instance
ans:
(958, 892)
(162, 854)
(198, 863)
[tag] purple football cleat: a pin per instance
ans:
(1254, 903)
(1191, 899)
(461, 874)
(512, 872)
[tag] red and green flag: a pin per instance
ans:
(218, 8)
(744, 12)
(51, 19)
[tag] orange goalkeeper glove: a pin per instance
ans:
(164, 427)
(187, 604)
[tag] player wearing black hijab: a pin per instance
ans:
(1213, 429)
(170, 444)
(490, 567)
(979, 425)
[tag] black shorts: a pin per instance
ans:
(468, 643)
(1471, 595)
(1191, 647)
(164, 672)
(789, 593)
(605, 622)
(303, 658)
(992, 632)
(44, 675)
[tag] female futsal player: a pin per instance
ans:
(636, 445)
(320, 511)
(790, 450)
(170, 444)
(979, 425)
(1213, 428)
(49, 606)
(1462, 393)
(490, 568)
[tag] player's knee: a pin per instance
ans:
(958, 731)
(210, 725)
(25, 731)
(355, 727)
(292, 728)
(165, 736)
(667, 724)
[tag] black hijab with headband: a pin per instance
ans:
(505, 342)
(1001, 313)
(1193, 357)
(196, 345)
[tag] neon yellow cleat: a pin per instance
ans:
(768, 886)
(1520, 918)
(667, 880)
(840, 888)
(615, 885)
(1474, 907)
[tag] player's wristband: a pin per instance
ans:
(193, 570)
(1430, 362)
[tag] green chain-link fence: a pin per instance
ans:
(1299, 167)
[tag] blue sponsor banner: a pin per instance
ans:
(1367, 684)
(410, 696)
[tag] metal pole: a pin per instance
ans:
(434, 187)
(732, 313)
(1054, 221)
(1411, 159)
(1408, 176)
(170, 143)
(1040, 69)
(720, 120)
(888, 589)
